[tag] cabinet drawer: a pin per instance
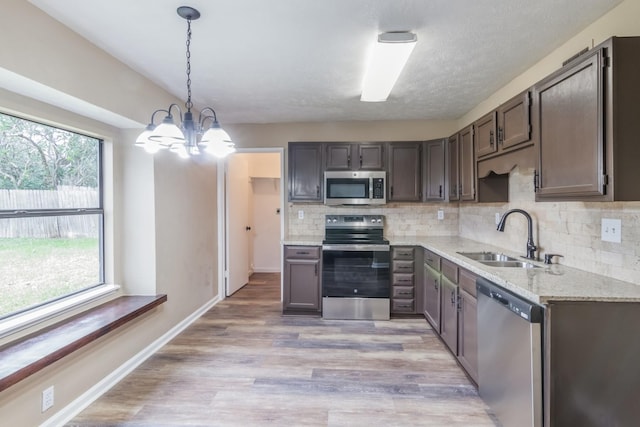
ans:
(401, 266)
(402, 292)
(450, 270)
(402, 253)
(402, 279)
(431, 259)
(402, 306)
(467, 281)
(302, 252)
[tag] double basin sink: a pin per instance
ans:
(494, 259)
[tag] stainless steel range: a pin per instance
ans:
(355, 268)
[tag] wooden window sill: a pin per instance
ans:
(28, 355)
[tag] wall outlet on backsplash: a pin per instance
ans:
(611, 230)
(300, 214)
(440, 214)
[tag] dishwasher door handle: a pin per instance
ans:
(502, 300)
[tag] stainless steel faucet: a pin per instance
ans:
(531, 247)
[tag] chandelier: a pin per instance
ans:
(190, 137)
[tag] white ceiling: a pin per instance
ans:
(260, 61)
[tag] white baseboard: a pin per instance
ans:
(266, 270)
(67, 413)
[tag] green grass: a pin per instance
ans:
(33, 271)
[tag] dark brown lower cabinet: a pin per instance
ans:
(449, 314)
(301, 280)
(431, 300)
(468, 333)
(450, 306)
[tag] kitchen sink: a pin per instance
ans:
(511, 263)
(487, 256)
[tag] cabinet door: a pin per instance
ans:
(468, 333)
(467, 164)
(338, 156)
(302, 285)
(404, 172)
(431, 300)
(449, 314)
(514, 121)
(305, 172)
(370, 157)
(568, 110)
(486, 133)
(454, 168)
(434, 171)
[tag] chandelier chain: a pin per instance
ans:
(188, 104)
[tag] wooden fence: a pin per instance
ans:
(51, 226)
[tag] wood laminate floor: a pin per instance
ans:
(244, 364)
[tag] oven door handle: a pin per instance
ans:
(355, 248)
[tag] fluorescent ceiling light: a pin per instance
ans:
(389, 56)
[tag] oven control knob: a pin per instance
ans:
(335, 220)
(379, 220)
(373, 220)
(328, 219)
(355, 291)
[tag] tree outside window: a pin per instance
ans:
(50, 214)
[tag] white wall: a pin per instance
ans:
(266, 225)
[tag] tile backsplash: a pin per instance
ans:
(571, 229)
(402, 219)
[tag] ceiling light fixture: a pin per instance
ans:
(390, 54)
(191, 137)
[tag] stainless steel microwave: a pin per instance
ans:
(355, 188)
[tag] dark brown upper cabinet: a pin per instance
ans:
(467, 164)
(587, 120)
(462, 165)
(506, 128)
(354, 156)
(433, 170)
(486, 141)
(404, 172)
(305, 172)
(454, 168)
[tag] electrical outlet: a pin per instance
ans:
(498, 217)
(300, 214)
(611, 230)
(47, 398)
(440, 214)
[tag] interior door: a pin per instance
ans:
(238, 196)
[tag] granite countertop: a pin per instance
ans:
(543, 285)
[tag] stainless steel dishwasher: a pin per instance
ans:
(509, 355)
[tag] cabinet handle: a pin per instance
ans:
(491, 138)
(500, 136)
(317, 190)
(302, 253)
(536, 177)
(453, 297)
(460, 302)
(360, 160)
(391, 190)
(316, 269)
(435, 285)
(349, 161)
(440, 191)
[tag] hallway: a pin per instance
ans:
(244, 364)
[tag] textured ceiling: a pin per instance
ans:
(260, 61)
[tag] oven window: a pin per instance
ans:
(355, 274)
(347, 188)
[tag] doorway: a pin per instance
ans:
(250, 217)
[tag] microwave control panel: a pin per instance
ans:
(378, 188)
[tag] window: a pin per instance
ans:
(51, 214)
